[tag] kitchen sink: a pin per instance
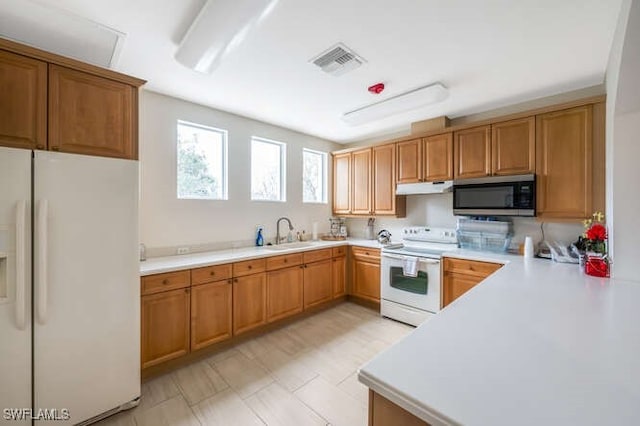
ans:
(289, 246)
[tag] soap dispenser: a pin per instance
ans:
(259, 238)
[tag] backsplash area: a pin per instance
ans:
(436, 210)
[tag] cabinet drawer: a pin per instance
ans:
(366, 254)
(316, 255)
(162, 282)
(279, 262)
(249, 267)
(210, 274)
(470, 267)
(339, 251)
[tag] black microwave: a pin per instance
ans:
(495, 196)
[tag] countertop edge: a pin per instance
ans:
(423, 412)
(219, 257)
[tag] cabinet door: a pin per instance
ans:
(455, 285)
(284, 292)
(564, 164)
(318, 287)
(513, 145)
(338, 274)
(342, 183)
(249, 302)
(438, 157)
(410, 161)
(210, 313)
(472, 152)
(366, 280)
(23, 109)
(361, 182)
(91, 115)
(384, 179)
(165, 326)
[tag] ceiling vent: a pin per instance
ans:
(338, 60)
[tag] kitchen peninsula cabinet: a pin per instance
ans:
(50, 102)
(366, 273)
(461, 276)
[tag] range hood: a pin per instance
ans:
(424, 187)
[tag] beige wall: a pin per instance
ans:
(166, 221)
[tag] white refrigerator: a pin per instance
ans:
(69, 287)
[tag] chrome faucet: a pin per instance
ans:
(278, 228)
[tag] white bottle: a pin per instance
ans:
(528, 247)
(314, 232)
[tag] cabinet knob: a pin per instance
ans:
(55, 148)
(39, 146)
(186, 290)
(285, 261)
(235, 280)
(212, 273)
(249, 267)
(165, 281)
(229, 281)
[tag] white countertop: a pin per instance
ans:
(535, 343)
(158, 265)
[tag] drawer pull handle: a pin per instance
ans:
(249, 267)
(235, 280)
(229, 281)
(165, 281)
(285, 261)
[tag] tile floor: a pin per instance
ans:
(302, 374)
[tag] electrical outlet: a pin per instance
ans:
(183, 250)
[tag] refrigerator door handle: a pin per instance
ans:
(41, 235)
(21, 247)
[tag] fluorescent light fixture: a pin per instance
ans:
(403, 102)
(218, 29)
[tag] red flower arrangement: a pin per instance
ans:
(595, 242)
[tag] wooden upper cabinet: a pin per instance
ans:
(410, 161)
(91, 115)
(23, 105)
(384, 179)
(342, 183)
(361, 182)
(438, 157)
(513, 147)
(564, 163)
(472, 152)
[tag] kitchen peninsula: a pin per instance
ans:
(536, 343)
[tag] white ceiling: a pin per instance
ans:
(489, 53)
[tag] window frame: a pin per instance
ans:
(283, 169)
(325, 175)
(225, 160)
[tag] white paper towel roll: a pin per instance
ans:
(528, 247)
(314, 232)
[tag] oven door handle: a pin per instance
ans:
(420, 259)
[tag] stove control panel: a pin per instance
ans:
(430, 234)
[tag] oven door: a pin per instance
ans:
(421, 292)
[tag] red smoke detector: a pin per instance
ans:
(376, 89)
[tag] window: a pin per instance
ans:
(268, 181)
(202, 162)
(314, 176)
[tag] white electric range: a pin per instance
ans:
(405, 297)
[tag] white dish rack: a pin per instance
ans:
(484, 235)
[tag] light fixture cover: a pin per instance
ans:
(403, 102)
(220, 26)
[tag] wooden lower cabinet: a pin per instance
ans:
(249, 302)
(284, 292)
(165, 320)
(383, 412)
(366, 273)
(339, 275)
(211, 319)
(461, 276)
(318, 286)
